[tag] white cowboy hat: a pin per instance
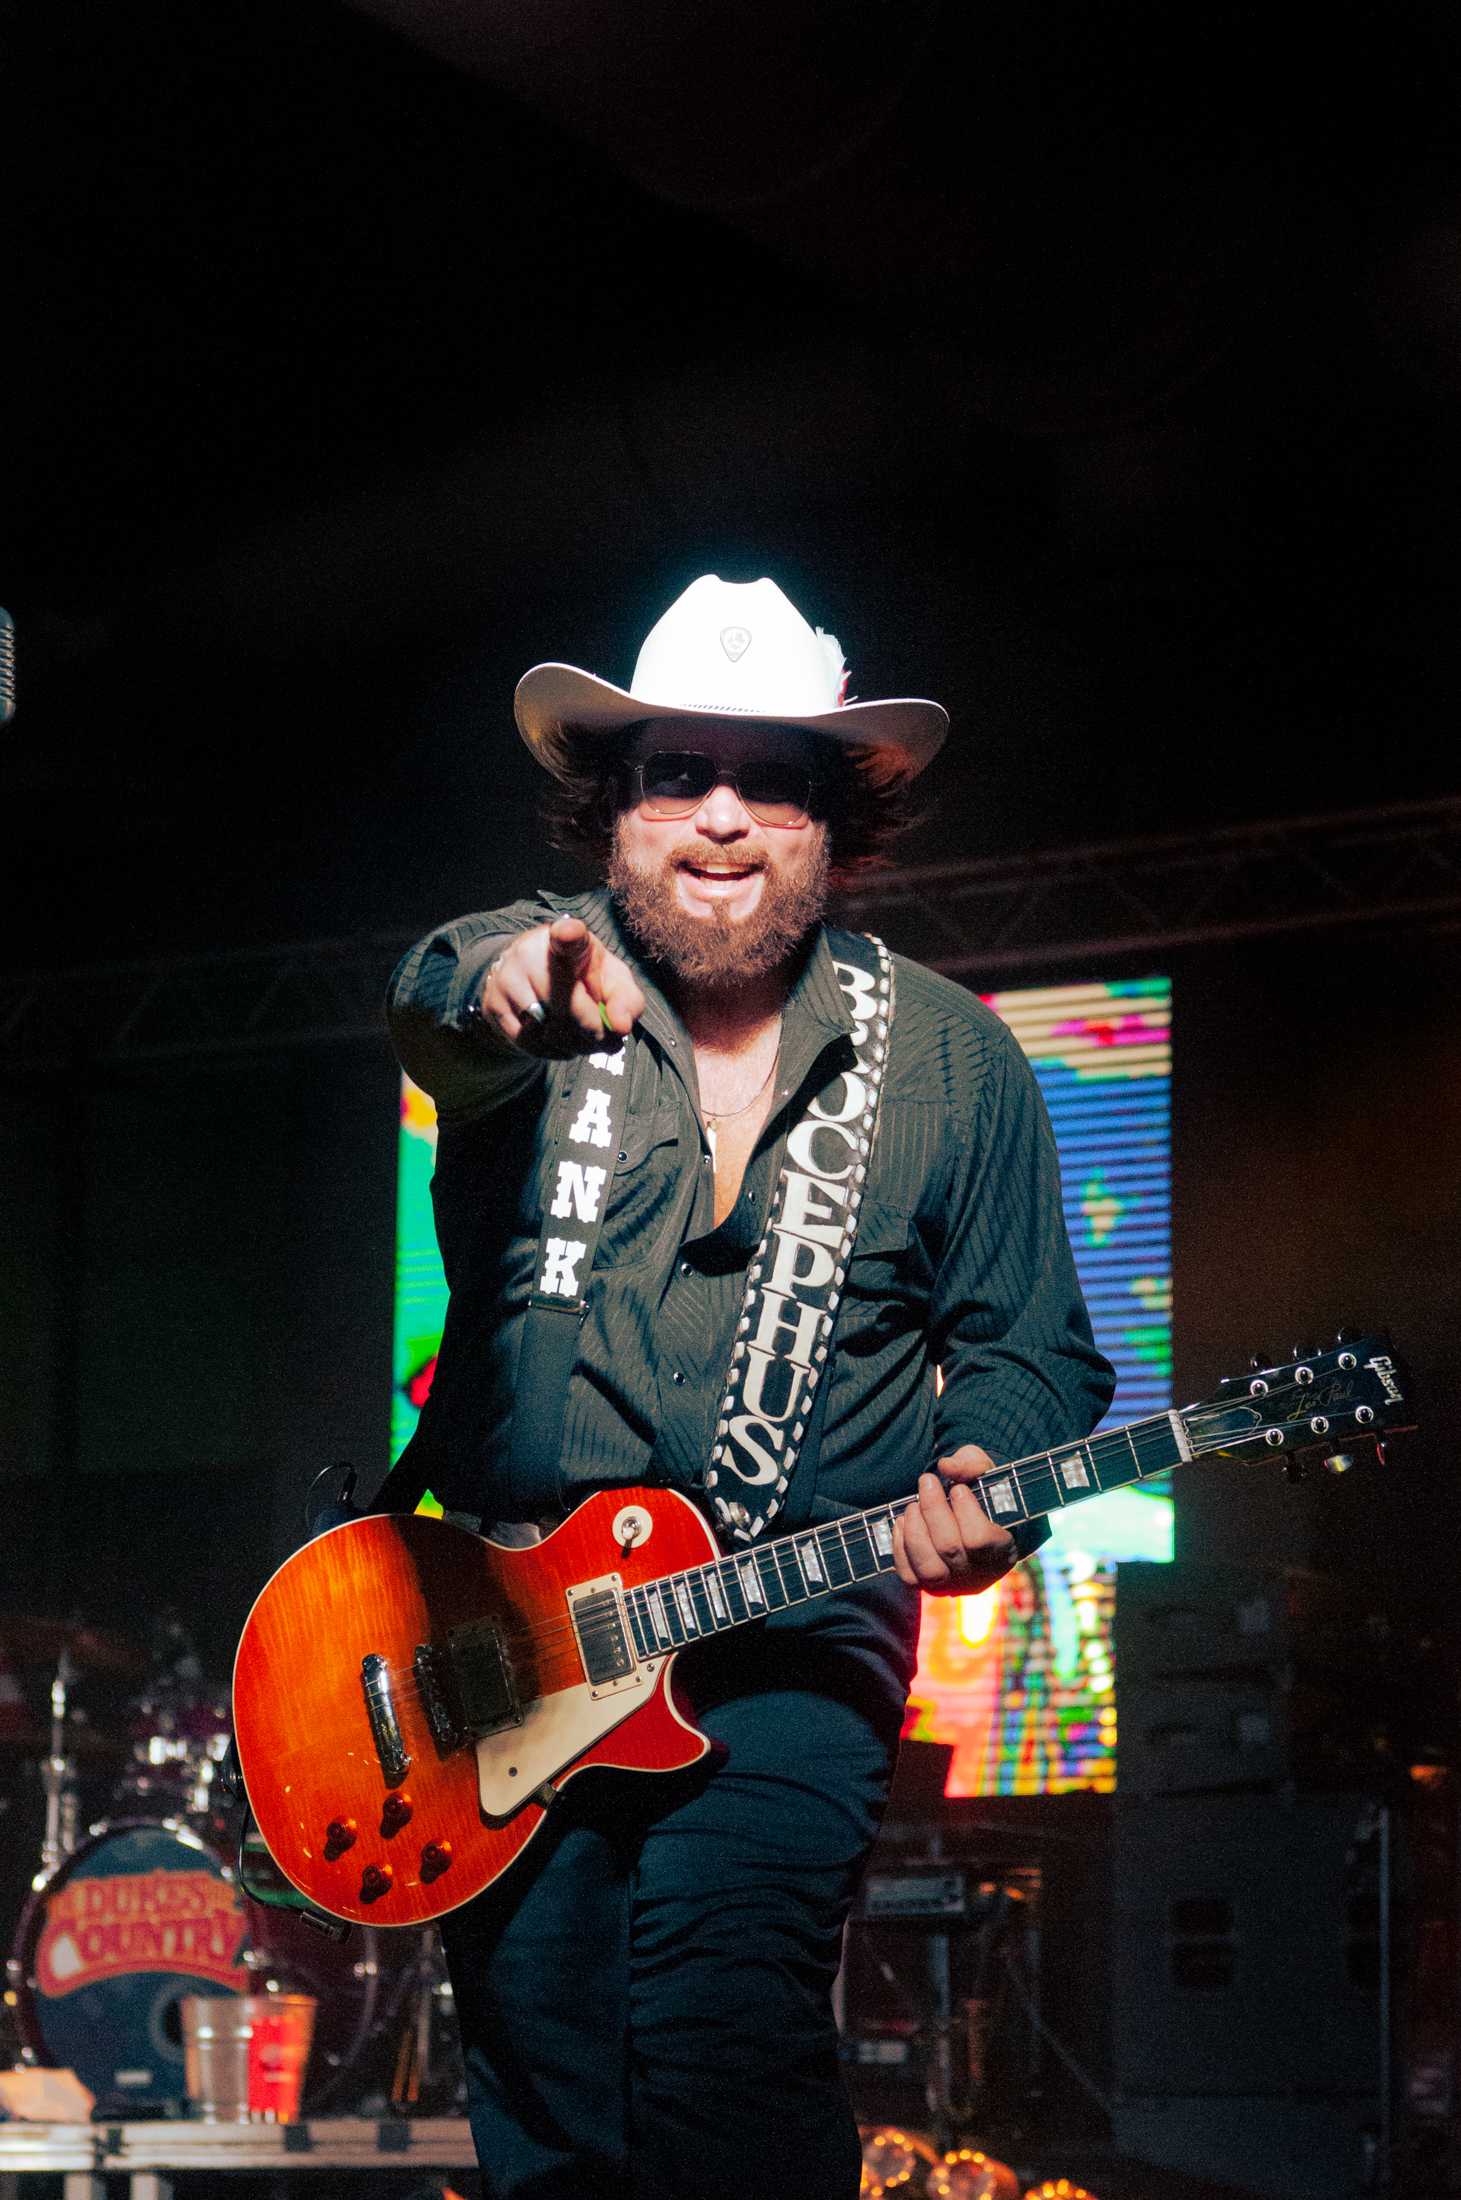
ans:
(727, 649)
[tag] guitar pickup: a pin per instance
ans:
(479, 1687)
(597, 1611)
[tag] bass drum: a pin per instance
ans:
(143, 1913)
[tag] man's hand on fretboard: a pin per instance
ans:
(945, 1543)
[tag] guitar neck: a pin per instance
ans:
(793, 1569)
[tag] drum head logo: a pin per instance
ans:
(735, 641)
(188, 1921)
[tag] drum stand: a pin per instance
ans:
(58, 1773)
(424, 2009)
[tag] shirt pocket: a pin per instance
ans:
(888, 1279)
(646, 1182)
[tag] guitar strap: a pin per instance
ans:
(770, 1418)
(768, 1429)
(587, 1133)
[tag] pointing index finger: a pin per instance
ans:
(569, 946)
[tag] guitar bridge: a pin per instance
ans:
(433, 1681)
(385, 1727)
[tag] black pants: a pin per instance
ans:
(646, 2003)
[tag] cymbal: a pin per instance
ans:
(82, 1742)
(29, 1640)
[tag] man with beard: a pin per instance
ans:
(817, 1142)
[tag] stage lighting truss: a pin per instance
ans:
(1397, 866)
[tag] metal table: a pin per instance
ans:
(151, 2155)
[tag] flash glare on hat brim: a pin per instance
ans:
(906, 733)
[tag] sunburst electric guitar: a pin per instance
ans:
(408, 1697)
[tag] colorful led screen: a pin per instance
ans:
(1019, 1680)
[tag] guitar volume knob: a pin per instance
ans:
(435, 1859)
(375, 1881)
(395, 1812)
(340, 1835)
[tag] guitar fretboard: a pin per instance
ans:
(706, 1600)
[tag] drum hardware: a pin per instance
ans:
(932, 1939)
(142, 1913)
(32, 1641)
(428, 2069)
(73, 1652)
(129, 1914)
(58, 1773)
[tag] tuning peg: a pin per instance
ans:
(1379, 1451)
(1304, 1352)
(1294, 1469)
(1346, 1335)
(1339, 1462)
(1260, 1359)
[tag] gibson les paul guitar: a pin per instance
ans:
(408, 1697)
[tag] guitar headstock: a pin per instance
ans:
(1318, 1402)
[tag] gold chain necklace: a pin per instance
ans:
(714, 1117)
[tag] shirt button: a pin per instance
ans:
(686, 1269)
(676, 1376)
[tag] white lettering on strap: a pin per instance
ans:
(801, 1150)
(591, 1124)
(773, 1321)
(768, 1465)
(579, 1190)
(797, 1279)
(560, 1258)
(801, 1214)
(852, 1104)
(755, 1393)
(860, 984)
(799, 1264)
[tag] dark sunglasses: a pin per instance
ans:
(674, 783)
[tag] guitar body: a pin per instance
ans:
(408, 1697)
(402, 1838)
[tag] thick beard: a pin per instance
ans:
(715, 950)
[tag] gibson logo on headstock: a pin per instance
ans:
(1384, 1367)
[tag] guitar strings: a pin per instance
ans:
(520, 1639)
(525, 1639)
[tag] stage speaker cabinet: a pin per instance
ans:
(1234, 1677)
(1254, 2143)
(1247, 1952)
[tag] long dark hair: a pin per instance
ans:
(864, 805)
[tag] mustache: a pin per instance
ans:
(698, 859)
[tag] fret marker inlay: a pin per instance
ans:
(1075, 1474)
(1002, 1496)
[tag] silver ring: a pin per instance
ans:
(534, 1013)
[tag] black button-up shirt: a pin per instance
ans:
(961, 1262)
